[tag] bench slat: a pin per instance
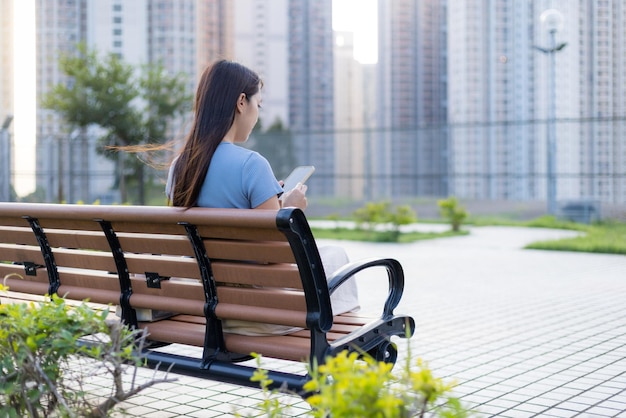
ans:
(18, 235)
(270, 275)
(20, 253)
(155, 244)
(293, 318)
(167, 266)
(88, 260)
(168, 304)
(262, 297)
(259, 251)
(92, 240)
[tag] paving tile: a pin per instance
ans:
(524, 333)
(558, 412)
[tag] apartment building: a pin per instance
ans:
(311, 89)
(412, 146)
(180, 34)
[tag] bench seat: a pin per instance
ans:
(202, 267)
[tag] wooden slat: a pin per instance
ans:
(181, 288)
(167, 266)
(26, 286)
(172, 331)
(69, 224)
(243, 233)
(155, 244)
(90, 279)
(80, 293)
(270, 275)
(287, 347)
(261, 314)
(17, 235)
(262, 297)
(91, 240)
(13, 221)
(17, 270)
(168, 304)
(257, 251)
(93, 260)
(20, 253)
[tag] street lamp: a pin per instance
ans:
(552, 20)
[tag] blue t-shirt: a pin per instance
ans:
(237, 178)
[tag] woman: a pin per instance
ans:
(211, 171)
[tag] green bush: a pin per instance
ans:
(382, 223)
(346, 386)
(39, 354)
(450, 210)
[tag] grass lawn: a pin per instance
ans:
(379, 236)
(605, 237)
(608, 238)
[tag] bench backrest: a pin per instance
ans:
(260, 265)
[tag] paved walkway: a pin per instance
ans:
(524, 333)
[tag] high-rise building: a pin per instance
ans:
(500, 93)
(412, 154)
(62, 156)
(183, 35)
(491, 93)
(599, 44)
(311, 89)
(349, 119)
(261, 43)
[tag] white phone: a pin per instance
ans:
(298, 175)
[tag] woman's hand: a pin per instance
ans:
(296, 197)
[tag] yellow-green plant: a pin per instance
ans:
(450, 210)
(348, 385)
(40, 359)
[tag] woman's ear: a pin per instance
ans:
(241, 102)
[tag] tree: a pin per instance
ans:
(275, 144)
(451, 210)
(133, 106)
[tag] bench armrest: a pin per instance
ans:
(395, 274)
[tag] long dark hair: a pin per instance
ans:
(219, 88)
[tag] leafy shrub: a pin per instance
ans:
(450, 210)
(39, 352)
(346, 386)
(375, 215)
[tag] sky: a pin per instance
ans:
(24, 95)
(362, 23)
(360, 17)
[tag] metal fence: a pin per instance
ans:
(475, 161)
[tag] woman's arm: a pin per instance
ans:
(293, 198)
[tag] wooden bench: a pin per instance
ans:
(206, 266)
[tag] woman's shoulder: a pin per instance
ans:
(227, 147)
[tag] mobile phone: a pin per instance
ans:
(298, 175)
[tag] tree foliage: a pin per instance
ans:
(275, 144)
(132, 105)
(454, 213)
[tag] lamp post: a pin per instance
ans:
(552, 20)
